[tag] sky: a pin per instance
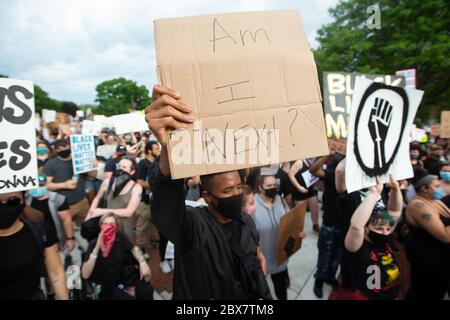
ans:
(68, 47)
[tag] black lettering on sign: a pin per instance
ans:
(8, 113)
(253, 36)
(233, 97)
(16, 147)
(223, 34)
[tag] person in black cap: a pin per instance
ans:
(112, 165)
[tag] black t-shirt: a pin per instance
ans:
(112, 165)
(108, 271)
(20, 263)
(432, 165)
(374, 271)
(285, 183)
(62, 171)
(144, 168)
(42, 206)
(332, 212)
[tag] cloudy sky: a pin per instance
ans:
(68, 47)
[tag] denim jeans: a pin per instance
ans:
(330, 251)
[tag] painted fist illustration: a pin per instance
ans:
(379, 120)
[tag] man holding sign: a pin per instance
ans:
(205, 237)
(61, 179)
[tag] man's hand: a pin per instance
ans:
(393, 184)
(145, 271)
(302, 235)
(70, 184)
(167, 111)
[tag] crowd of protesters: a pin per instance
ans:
(389, 241)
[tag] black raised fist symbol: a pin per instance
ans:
(379, 120)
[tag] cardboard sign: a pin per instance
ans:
(291, 224)
(380, 124)
(83, 153)
(252, 82)
(435, 130)
(18, 157)
(48, 115)
(445, 124)
(130, 122)
(338, 91)
(62, 118)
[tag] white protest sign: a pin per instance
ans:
(18, 160)
(48, 115)
(129, 122)
(83, 153)
(380, 124)
(90, 127)
(309, 179)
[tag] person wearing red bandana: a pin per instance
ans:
(119, 267)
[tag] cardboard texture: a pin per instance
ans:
(241, 71)
(291, 224)
(435, 130)
(445, 124)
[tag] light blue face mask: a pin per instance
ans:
(445, 175)
(38, 192)
(438, 194)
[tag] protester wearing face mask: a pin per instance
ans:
(414, 154)
(112, 165)
(43, 152)
(216, 246)
(427, 243)
(374, 273)
(433, 162)
(111, 262)
(119, 195)
(444, 175)
(25, 249)
(60, 179)
(270, 207)
(56, 213)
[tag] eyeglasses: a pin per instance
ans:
(12, 202)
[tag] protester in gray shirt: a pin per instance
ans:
(269, 209)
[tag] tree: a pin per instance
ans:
(413, 34)
(119, 96)
(43, 101)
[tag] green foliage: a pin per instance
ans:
(43, 101)
(413, 34)
(119, 96)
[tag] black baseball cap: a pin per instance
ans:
(60, 143)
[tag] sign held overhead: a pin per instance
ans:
(252, 82)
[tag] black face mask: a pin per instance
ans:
(230, 207)
(64, 153)
(120, 180)
(271, 192)
(378, 238)
(9, 215)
